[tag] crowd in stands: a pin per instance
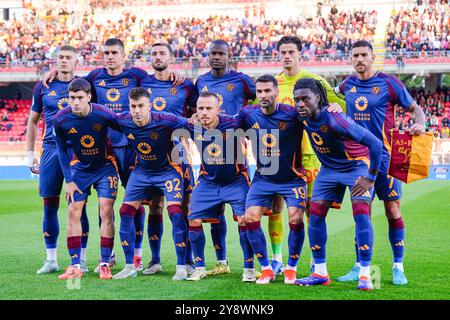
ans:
(33, 39)
(436, 106)
(420, 31)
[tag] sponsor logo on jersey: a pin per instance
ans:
(149, 91)
(144, 148)
(52, 93)
(353, 90)
(255, 125)
(178, 196)
(204, 89)
(130, 136)
(113, 94)
(125, 82)
(199, 138)
(102, 83)
(393, 194)
(317, 138)
(72, 131)
(62, 103)
(159, 103)
(269, 140)
(87, 141)
(97, 127)
(214, 150)
(361, 103)
(173, 91)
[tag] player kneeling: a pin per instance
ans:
(85, 125)
(223, 179)
(341, 146)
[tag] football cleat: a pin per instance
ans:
(138, 263)
(365, 284)
(219, 268)
(314, 280)
(266, 277)
(398, 277)
(127, 272)
(105, 273)
(277, 267)
(197, 275)
(72, 272)
(190, 269)
(152, 268)
(48, 267)
(112, 263)
(84, 266)
(290, 276)
(180, 274)
(352, 275)
(250, 275)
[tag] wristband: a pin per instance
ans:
(371, 177)
(30, 156)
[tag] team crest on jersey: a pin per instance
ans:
(230, 86)
(324, 128)
(130, 136)
(353, 90)
(282, 125)
(214, 150)
(125, 82)
(52, 93)
(144, 148)
(87, 141)
(317, 138)
(287, 100)
(269, 140)
(361, 103)
(72, 131)
(62, 103)
(154, 135)
(159, 104)
(97, 127)
(173, 91)
(113, 94)
(102, 83)
(376, 90)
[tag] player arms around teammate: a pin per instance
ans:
(47, 102)
(277, 135)
(85, 126)
(339, 144)
(223, 179)
(371, 98)
(150, 136)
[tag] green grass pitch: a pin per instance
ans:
(425, 207)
